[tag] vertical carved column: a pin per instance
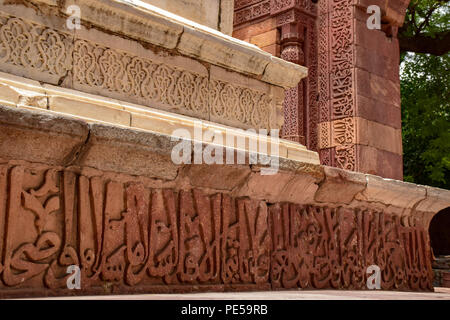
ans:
(351, 96)
(292, 41)
(359, 91)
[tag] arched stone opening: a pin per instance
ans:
(439, 231)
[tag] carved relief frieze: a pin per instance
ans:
(51, 56)
(323, 247)
(26, 46)
(126, 235)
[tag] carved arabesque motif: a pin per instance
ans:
(28, 45)
(247, 106)
(257, 10)
(104, 68)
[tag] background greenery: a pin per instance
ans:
(425, 89)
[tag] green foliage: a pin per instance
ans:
(427, 27)
(427, 17)
(425, 89)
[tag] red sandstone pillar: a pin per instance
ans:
(348, 109)
(292, 41)
(359, 87)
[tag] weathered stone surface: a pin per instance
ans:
(205, 12)
(138, 22)
(111, 148)
(298, 188)
(264, 106)
(227, 52)
(89, 110)
(218, 177)
(216, 14)
(291, 74)
(40, 137)
(340, 186)
(434, 202)
(392, 192)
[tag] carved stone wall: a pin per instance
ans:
(127, 236)
(297, 43)
(348, 108)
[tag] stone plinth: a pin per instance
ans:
(162, 62)
(109, 200)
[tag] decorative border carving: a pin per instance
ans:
(25, 45)
(99, 67)
(323, 247)
(256, 11)
(45, 54)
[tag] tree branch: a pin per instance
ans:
(421, 43)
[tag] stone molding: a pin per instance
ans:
(106, 142)
(27, 94)
(216, 14)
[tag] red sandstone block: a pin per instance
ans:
(377, 88)
(396, 10)
(379, 162)
(373, 62)
(383, 113)
(266, 39)
(379, 136)
(363, 4)
(376, 41)
(255, 29)
(273, 49)
(392, 11)
(367, 158)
